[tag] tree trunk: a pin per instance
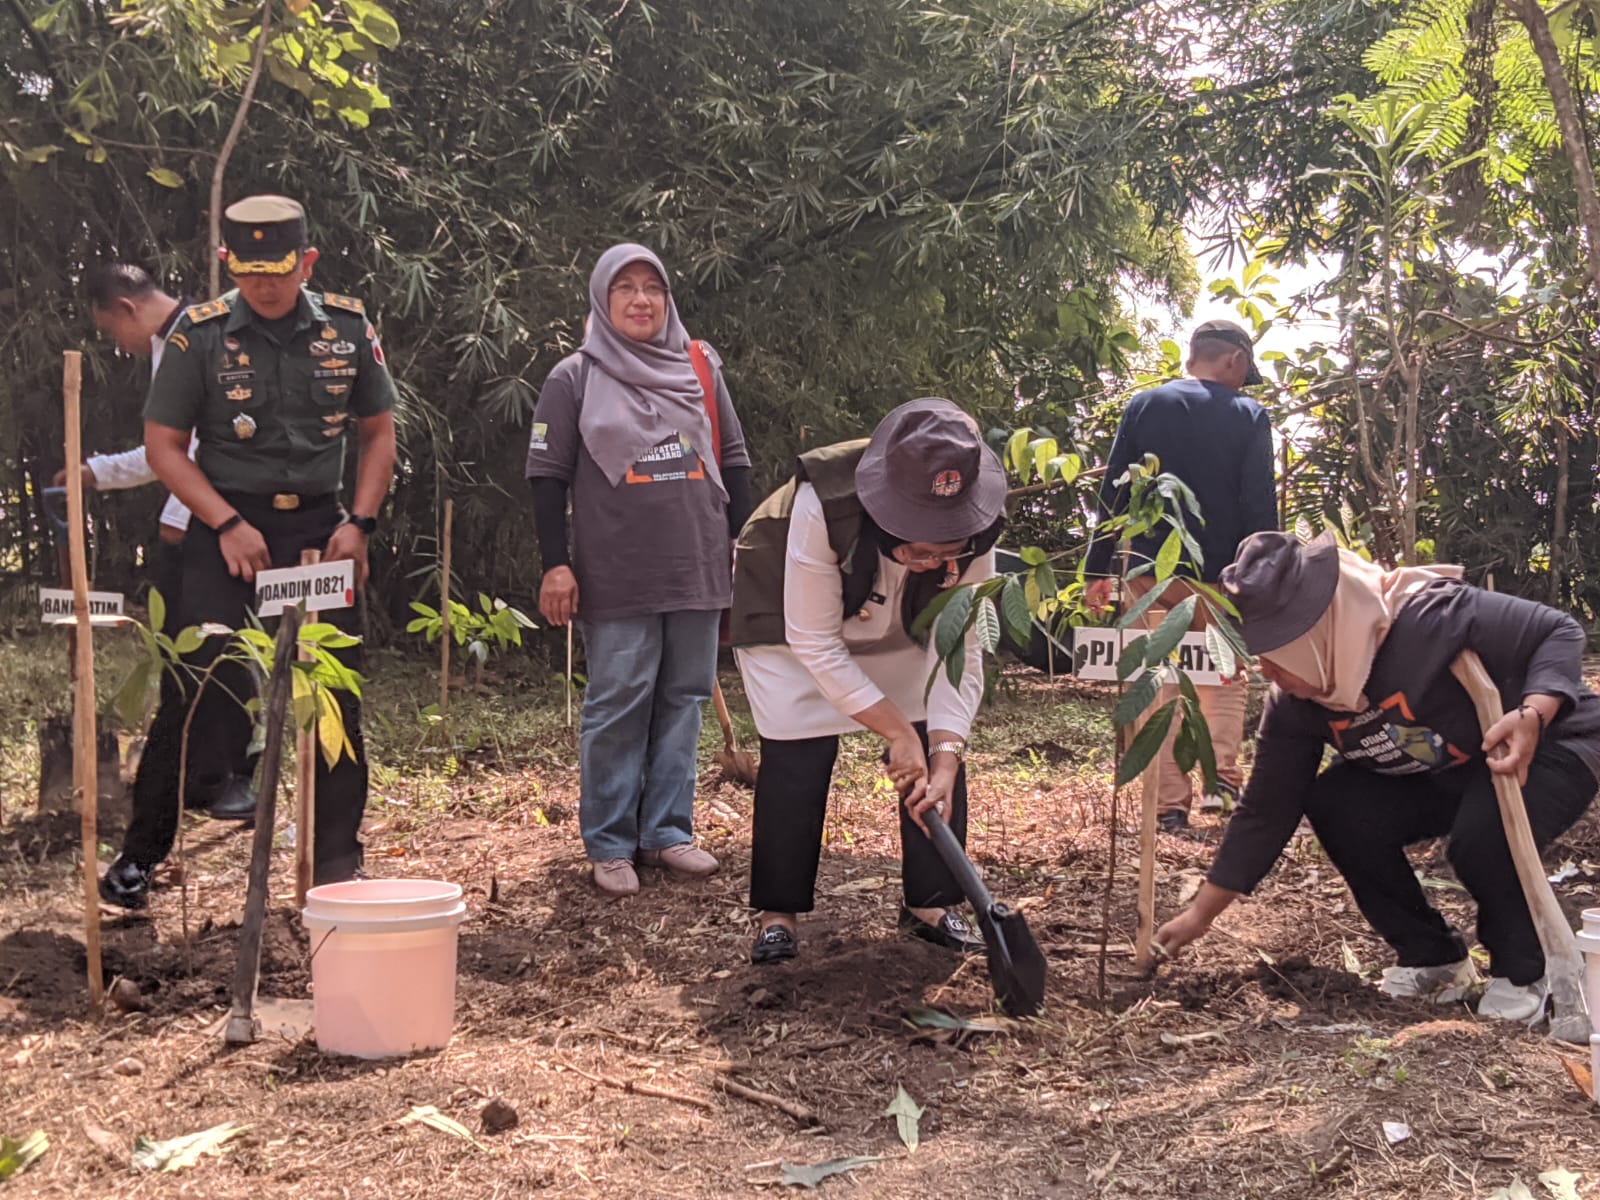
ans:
(1558, 523)
(229, 142)
(1537, 23)
(1411, 376)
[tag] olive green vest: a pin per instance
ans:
(763, 546)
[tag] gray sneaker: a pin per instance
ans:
(1447, 983)
(616, 877)
(683, 859)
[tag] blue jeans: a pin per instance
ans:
(648, 678)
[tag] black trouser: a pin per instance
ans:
(1365, 821)
(791, 802)
(217, 752)
(209, 593)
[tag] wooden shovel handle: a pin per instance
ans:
(723, 719)
(1563, 961)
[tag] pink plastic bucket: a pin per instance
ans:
(383, 966)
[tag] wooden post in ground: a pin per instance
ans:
(85, 776)
(1149, 796)
(241, 1027)
(305, 786)
(569, 672)
(444, 607)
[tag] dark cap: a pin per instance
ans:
(1235, 335)
(263, 235)
(1281, 586)
(926, 475)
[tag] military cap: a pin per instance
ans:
(263, 235)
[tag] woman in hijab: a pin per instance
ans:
(1360, 661)
(833, 570)
(639, 427)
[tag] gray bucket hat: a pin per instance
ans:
(926, 475)
(1281, 586)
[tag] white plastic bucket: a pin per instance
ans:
(1589, 943)
(383, 966)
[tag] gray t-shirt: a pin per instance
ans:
(657, 542)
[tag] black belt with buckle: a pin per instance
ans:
(279, 501)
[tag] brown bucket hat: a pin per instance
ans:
(926, 475)
(1281, 586)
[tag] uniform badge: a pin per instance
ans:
(239, 394)
(329, 333)
(342, 348)
(333, 364)
(377, 346)
(333, 431)
(231, 343)
(336, 389)
(334, 418)
(180, 341)
(318, 347)
(244, 427)
(243, 360)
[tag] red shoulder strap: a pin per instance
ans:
(708, 395)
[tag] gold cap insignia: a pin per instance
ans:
(239, 394)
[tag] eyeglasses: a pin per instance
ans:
(906, 557)
(650, 291)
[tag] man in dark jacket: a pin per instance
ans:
(1218, 441)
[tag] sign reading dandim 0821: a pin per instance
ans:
(319, 586)
(1095, 652)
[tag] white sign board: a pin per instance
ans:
(320, 586)
(1095, 652)
(56, 607)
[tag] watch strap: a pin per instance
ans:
(959, 749)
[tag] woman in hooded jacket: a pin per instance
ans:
(1360, 661)
(638, 428)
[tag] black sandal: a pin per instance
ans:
(952, 932)
(775, 943)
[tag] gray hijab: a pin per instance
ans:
(638, 394)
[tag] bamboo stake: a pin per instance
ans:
(569, 673)
(1149, 797)
(85, 775)
(444, 608)
(305, 785)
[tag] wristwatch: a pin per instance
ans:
(959, 749)
(367, 525)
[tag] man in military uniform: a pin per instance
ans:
(271, 377)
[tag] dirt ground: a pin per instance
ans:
(1264, 1065)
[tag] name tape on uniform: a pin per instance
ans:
(320, 586)
(1095, 652)
(56, 607)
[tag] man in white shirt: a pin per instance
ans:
(137, 315)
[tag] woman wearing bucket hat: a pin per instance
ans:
(832, 571)
(1360, 661)
(638, 425)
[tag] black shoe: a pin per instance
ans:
(126, 884)
(237, 801)
(1172, 821)
(773, 944)
(951, 932)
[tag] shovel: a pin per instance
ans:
(1016, 965)
(1563, 961)
(738, 765)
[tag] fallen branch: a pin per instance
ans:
(734, 1088)
(644, 1089)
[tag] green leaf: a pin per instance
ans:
(1146, 744)
(907, 1117)
(1221, 651)
(952, 622)
(1140, 607)
(1183, 748)
(1167, 557)
(1139, 696)
(166, 178)
(987, 626)
(811, 1175)
(1033, 556)
(158, 609)
(1014, 605)
(936, 606)
(189, 640)
(1171, 630)
(135, 690)
(1017, 452)
(16, 1156)
(1132, 657)
(1205, 749)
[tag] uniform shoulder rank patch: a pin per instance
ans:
(178, 340)
(348, 303)
(207, 311)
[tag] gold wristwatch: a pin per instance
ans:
(959, 749)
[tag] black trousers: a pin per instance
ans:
(216, 751)
(1365, 821)
(792, 800)
(209, 593)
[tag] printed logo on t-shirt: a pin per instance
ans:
(673, 461)
(1387, 739)
(540, 432)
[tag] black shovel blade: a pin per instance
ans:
(1016, 965)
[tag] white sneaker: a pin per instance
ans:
(1447, 983)
(1507, 1001)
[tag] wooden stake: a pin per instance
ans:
(569, 672)
(444, 608)
(85, 776)
(241, 1027)
(305, 786)
(1149, 797)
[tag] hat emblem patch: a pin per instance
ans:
(946, 484)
